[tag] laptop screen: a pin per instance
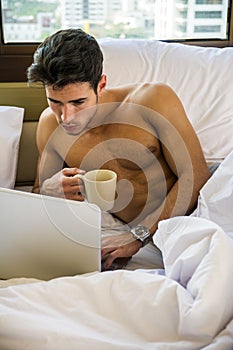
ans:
(46, 237)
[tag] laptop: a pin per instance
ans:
(47, 237)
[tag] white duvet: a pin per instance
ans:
(189, 305)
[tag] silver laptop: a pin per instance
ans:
(46, 237)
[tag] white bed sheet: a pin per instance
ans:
(188, 305)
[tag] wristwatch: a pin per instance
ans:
(142, 234)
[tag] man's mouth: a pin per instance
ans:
(71, 128)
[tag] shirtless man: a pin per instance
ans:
(139, 131)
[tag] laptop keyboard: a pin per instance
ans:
(119, 263)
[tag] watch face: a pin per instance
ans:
(142, 234)
(141, 231)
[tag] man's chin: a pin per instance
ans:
(72, 129)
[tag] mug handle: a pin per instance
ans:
(80, 176)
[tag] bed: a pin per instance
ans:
(187, 304)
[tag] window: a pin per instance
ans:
(207, 29)
(26, 23)
(208, 14)
(32, 20)
(209, 2)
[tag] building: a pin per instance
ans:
(159, 19)
(190, 19)
(80, 13)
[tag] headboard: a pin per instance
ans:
(33, 100)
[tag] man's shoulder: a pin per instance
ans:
(116, 94)
(48, 118)
(47, 125)
(148, 89)
(134, 92)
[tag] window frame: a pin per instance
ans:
(15, 58)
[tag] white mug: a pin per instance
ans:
(100, 187)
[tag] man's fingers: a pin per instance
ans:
(107, 250)
(77, 196)
(69, 171)
(72, 171)
(108, 262)
(72, 188)
(112, 256)
(118, 246)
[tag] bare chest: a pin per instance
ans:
(116, 146)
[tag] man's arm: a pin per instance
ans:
(51, 178)
(46, 126)
(182, 152)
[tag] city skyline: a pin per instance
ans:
(157, 19)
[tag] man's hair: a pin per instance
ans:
(66, 57)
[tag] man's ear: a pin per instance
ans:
(102, 84)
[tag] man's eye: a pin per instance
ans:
(79, 102)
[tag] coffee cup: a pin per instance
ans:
(100, 187)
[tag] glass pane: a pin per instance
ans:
(27, 21)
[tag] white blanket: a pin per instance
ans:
(187, 306)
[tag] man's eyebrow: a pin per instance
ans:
(78, 100)
(52, 99)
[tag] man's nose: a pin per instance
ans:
(68, 113)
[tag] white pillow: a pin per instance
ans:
(215, 202)
(11, 121)
(202, 78)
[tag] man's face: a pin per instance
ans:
(74, 105)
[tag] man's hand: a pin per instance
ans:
(119, 246)
(64, 184)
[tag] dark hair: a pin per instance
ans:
(66, 57)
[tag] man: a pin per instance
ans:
(139, 131)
